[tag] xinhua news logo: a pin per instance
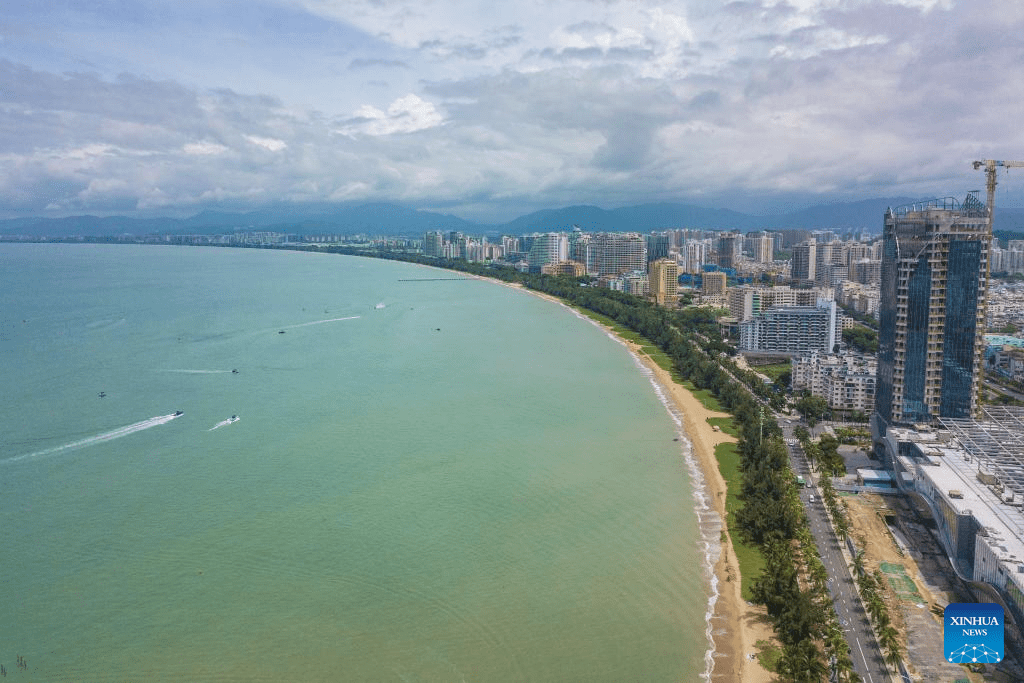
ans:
(973, 632)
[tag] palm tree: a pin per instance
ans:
(893, 657)
(858, 562)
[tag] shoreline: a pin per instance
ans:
(733, 625)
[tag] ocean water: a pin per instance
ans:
(466, 484)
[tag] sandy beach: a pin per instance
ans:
(737, 626)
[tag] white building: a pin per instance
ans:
(745, 302)
(791, 329)
(846, 381)
(551, 247)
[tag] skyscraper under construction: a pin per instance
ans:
(932, 312)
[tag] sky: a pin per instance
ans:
(490, 110)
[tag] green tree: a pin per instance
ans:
(813, 408)
(862, 338)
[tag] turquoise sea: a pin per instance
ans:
(466, 484)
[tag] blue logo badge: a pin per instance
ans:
(973, 632)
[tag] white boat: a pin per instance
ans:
(379, 306)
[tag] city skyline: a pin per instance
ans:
(489, 113)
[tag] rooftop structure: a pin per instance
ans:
(971, 475)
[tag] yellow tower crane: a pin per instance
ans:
(990, 171)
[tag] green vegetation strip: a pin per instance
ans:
(748, 555)
(660, 358)
(705, 396)
(773, 371)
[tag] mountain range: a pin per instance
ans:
(397, 220)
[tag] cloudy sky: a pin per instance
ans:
(489, 110)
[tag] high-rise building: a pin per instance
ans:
(714, 283)
(695, 255)
(791, 329)
(805, 259)
(747, 301)
(932, 311)
(728, 247)
(763, 248)
(657, 246)
(433, 243)
(823, 263)
(548, 248)
(614, 253)
(664, 281)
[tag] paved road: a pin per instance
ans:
(999, 389)
(864, 649)
(865, 653)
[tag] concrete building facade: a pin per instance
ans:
(664, 281)
(797, 330)
(846, 381)
(613, 253)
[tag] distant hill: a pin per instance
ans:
(376, 219)
(395, 219)
(862, 215)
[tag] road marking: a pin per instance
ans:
(864, 659)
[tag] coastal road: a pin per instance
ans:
(865, 653)
(999, 389)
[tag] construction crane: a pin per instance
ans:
(990, 171)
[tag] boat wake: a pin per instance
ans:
(99, 438)
(319, 322)
(224, 423)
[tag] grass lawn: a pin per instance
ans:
(705, 396)
(772, 371)
(726, 424)
(768, 654)
(749, 556)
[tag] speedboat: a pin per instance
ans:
(178, 413)
(379, 306)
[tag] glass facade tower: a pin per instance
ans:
(932, 310)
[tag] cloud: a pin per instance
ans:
(267, 143)
(203, 148)
(466, 104)
(405, 115)
(378, 63)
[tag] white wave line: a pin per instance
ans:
(99, 438)
(198, 372)
(709, 522)
(320, 322)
